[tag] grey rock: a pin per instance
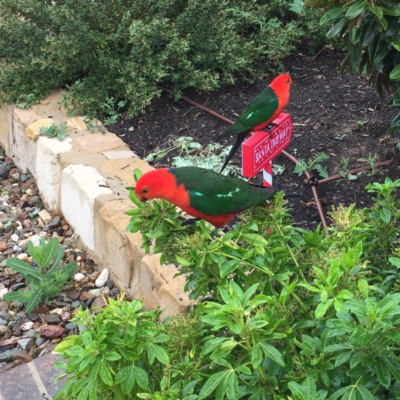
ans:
(34, 317)
(75, 304)
(9, 354)
(3, 329)
(52, 319)
(31, 333)
(53, 223)
(3, 321)
(4, 315)
(70, 326)
(40, 341)
(26, 344)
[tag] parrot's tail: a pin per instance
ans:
(238, 141)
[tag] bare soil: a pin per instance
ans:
(332, 113)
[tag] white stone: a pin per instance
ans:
(95, 292)
(26, 326)
(14, 237)
(57, 311)
(46, 217)
(80, 187)
(101, 280)
(35, 239)
(29, 191)
(78, 277)
(49, 169)
(22, 256)
(3, 292)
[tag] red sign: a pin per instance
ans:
(262, 147)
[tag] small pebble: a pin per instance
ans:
(102, 279)
(78, 277)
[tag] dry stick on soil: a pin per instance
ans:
(353, 171)
(287, 155)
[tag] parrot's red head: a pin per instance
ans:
(154, 184)
(283, 80)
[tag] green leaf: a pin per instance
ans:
(364, 393)
(212, 383)
(183, 262)
(273, 353)
(112, 356)
(244, 299)
(355, 9)
(256, 356)
(331, 14)
(310, 288)
(35, 299)
(24, 268)
(385, 215)
(19, 296)
(395, 74)
(394, 367)
(363, 287)
(322, 308)
(105, 374)
(51, 249)
(156, 351)
(395, 261)
(141, 378)
(87, 338)
(228, 267)
(126, 377)
(382, 372)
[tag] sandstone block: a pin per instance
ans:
(99, 142)
(80, 187)
(119, 154)
(33, 130)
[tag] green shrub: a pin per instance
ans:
(44, 281)
(371, 33)
(123, 50)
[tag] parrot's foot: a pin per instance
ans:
(189, 221)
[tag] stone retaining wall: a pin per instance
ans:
(84, 177)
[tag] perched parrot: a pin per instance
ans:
(261, 111)
(202, 193)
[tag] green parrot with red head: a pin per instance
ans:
(202, 193)
(261, 111)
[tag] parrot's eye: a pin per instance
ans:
(145, 190)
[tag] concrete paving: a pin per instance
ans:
(31, 381)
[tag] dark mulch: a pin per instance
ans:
(325, 108)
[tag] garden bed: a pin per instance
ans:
(339, 116)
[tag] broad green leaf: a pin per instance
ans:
(391, 10)
(331, 14)
(337, 347)
(255, 239)
(126, 377)
(212, 383)
(105, 374)
(309, 287)
(156, 351)
(344, 294)
(382, 372)
(244, 299)
(355, 9)
(232, 386)
(256, 356)
(395, 74)
(273, 353)
(364, 393)
(87, 338)
(363, 287)
(228, 267)
(322, 308)
(343, 358)
(183, 262)
(394, 367)
(112, 356)
(385, 215)
(142, 378)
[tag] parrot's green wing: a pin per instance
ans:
(215, 194)
(260, 109)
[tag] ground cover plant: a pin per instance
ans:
(108, 53)
(283, 312)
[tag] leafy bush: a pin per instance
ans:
(371, 32)
(284, 313)
(108, 52)
(45, 278)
